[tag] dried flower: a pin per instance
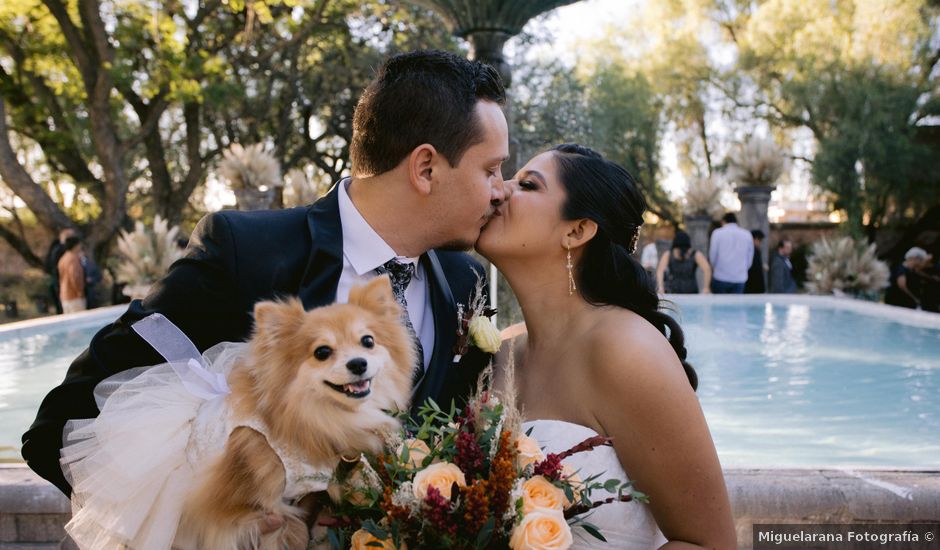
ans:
(844, 265)
(758, 161)
(550, 467)
(146, 255)
(482, 336)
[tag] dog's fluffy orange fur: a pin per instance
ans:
(300, 393)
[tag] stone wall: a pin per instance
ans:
(32, 512)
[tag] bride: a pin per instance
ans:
(597, 356)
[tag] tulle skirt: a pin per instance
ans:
(131, 469)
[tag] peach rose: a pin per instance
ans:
(441, 476)
(569, 474)
(538, 493)
(541, 530)
(529, 451)
(360, 541)
(417, 451)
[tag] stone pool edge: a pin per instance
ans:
(32, 511)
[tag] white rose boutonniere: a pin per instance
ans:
(474, 327)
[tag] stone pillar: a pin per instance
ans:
(697, 227)
(753, 215)
(487, 47)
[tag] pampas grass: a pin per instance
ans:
(253, 175)
(145, 255)
(703, 198)
(845, 266)
(758, 161)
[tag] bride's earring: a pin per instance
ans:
(571, 286)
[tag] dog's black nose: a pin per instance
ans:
(357, 365)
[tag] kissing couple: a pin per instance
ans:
(595, 354)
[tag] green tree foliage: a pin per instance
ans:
(858, 74)
(607, 107)
(132, 101)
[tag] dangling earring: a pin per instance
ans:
(571, 286)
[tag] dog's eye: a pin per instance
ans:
(368, 341)
(323, 353)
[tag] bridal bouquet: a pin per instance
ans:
(465, 479)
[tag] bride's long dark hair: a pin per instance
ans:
(604, 192)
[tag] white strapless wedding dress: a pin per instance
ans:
(625, 525)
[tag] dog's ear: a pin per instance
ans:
(376, 296)
(277, 318)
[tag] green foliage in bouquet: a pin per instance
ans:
(464, 479)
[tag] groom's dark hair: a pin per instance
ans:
(425, 96)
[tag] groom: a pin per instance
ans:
(428, 140)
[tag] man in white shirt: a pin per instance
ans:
(730, 252)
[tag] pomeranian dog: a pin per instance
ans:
(322, 383)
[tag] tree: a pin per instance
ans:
(608, 108)
(130, 102)
(859, 74)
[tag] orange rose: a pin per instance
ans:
(541, 530)
(538, 493)
(441, 476)
(361, 539)
(529, 451)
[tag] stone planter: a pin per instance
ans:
(753, 215)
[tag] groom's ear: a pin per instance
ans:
(580, 233)
(420, 167)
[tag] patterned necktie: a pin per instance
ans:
(400, 275)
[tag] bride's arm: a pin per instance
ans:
(645, 403)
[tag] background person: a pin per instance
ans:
(72, 277)
(56, 249)
(755, 275)
(731, 251)
(908, 281)
(675, 273)
(781, 269)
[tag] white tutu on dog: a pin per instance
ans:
(132, 467)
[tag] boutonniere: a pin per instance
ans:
(474, 327)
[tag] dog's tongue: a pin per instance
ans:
(357, 387)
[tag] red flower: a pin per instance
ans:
(550, 467)
(437, 512)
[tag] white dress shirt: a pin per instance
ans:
(363, 251)
(730, 252)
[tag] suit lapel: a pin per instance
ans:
(325, 263)
(445, 330)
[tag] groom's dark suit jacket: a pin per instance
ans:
(235, 259)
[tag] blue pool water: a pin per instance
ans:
(806, 382)
(784, 382)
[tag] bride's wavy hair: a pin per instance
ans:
(604, 192)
